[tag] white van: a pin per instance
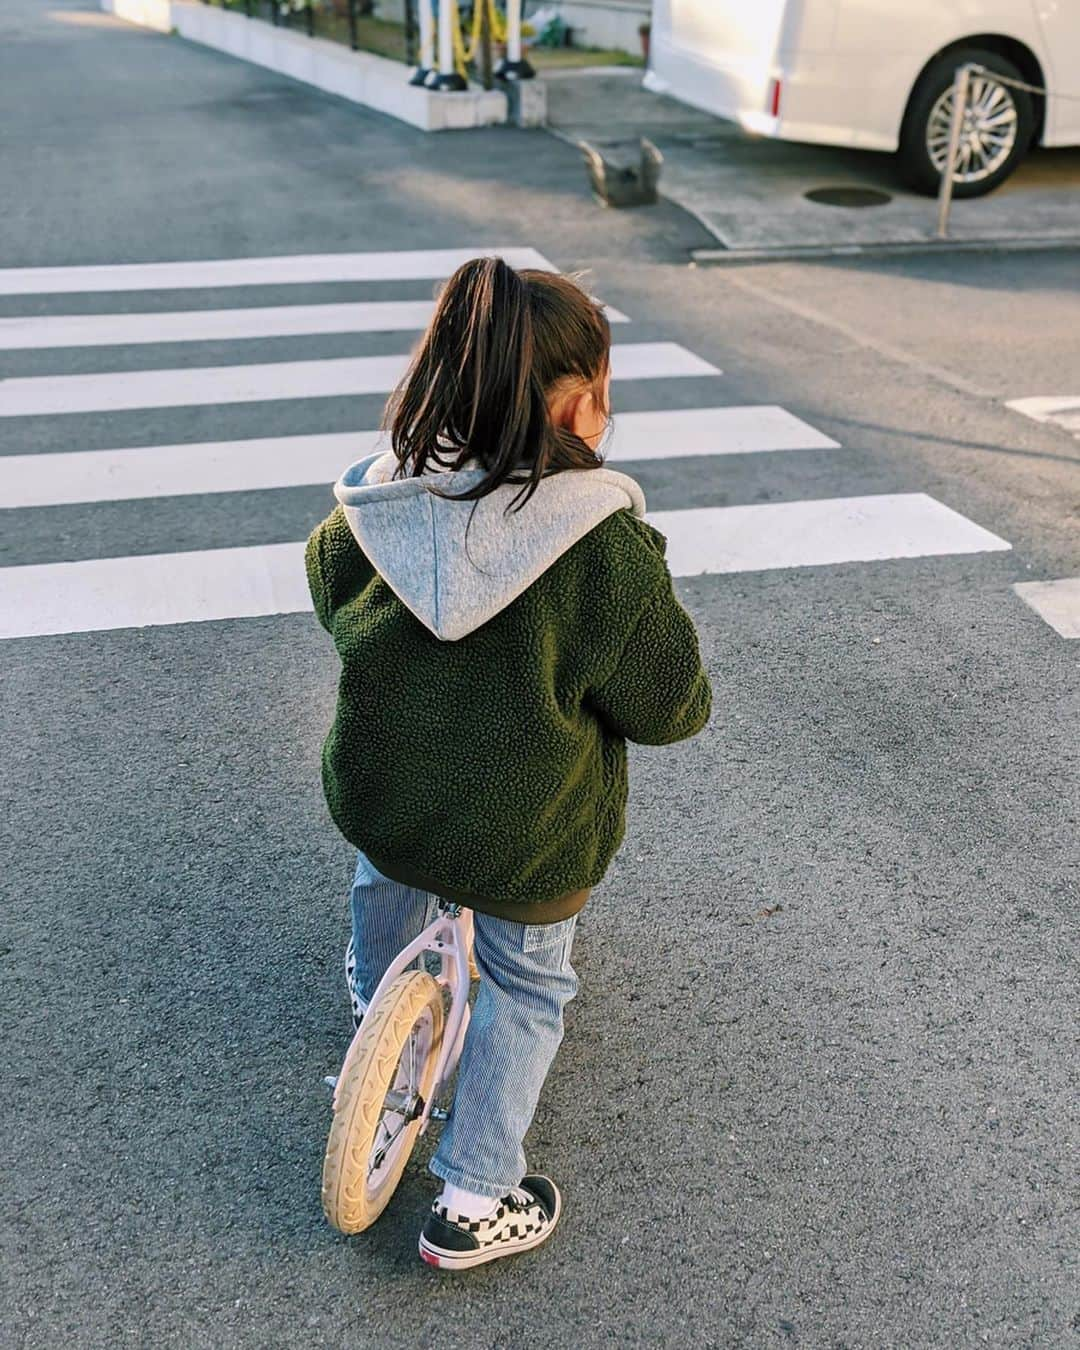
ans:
(877, 75)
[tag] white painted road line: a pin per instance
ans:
(1058, 602)
(115, 391)
(219, 325)
(1062, 410)
(179, 470)
(676, 433)
(290, 269)
(233, 583)
(302, 461)
(187, 387)
(161, 588)
(656, 360)
(817, 533)
(214, 325)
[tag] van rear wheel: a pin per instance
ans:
(995, 135)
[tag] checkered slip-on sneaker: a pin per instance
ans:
(523, 1219)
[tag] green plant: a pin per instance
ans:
(553, 33)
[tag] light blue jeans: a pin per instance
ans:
(526, 981)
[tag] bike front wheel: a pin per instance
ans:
(381, 1093)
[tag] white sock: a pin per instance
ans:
(467, 1203)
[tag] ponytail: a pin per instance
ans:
(497, 344)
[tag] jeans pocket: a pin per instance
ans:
(542, 936)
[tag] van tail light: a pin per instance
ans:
(775, 87)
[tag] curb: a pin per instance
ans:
(712, 257)
(719, 256)
(361, 77)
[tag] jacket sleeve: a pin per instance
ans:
(313, 563)
(336, 568)
(658, 692)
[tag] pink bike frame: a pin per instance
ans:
(448, 935)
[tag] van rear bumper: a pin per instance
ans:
(741, 91)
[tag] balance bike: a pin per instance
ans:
(399, 1062)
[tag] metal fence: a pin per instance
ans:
(440, 43)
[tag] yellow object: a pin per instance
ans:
(464, 54)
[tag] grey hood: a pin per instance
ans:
(415, 539)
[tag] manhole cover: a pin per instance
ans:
(848, 196)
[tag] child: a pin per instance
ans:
(506, 622)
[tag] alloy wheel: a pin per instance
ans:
(987, 133)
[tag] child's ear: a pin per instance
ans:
(566, 412)
(581, 413)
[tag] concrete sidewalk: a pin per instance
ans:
(749, 192)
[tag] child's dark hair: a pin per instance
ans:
(499, 343)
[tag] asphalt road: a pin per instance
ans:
(820, 1086)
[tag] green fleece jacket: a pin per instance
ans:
(489, 683)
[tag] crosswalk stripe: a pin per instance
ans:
(179, 470)
(1056, 602)
(232, 583)
(817, 533)
(741, 430)
(219, 325)
(103, 330)
(145, 591)
(65, 478)
(115, 391)
(1061, 410)
(290, 269)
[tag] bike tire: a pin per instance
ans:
(351, 1199)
